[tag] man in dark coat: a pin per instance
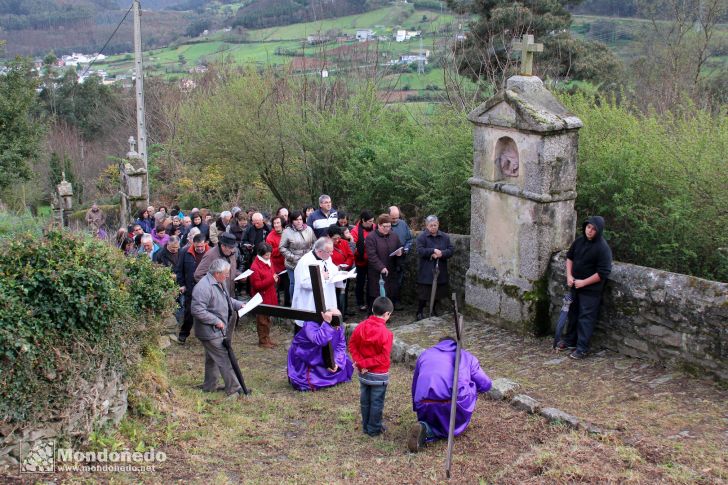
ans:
(169, 254)
(383, 250)
(433, 246)
(588, 264)
(185, 272)
(255, 234)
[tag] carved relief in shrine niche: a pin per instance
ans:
(506, 157)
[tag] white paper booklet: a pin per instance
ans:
(244, 274)
(254, 302)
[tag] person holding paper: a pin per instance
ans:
(343, 258)
(303, 290)
(215, 313)
(277, 260)
(263, 281)
(384, 250)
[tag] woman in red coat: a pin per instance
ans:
(343, 258)
(277, 260)
(263, 281)
(359, 234)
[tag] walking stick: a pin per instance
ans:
(433, 292)
(234, 362)
(456, 373)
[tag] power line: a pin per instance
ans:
(107, 41)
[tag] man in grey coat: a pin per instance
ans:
(213, 312)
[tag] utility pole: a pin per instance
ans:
(421, 59)
(139, 87)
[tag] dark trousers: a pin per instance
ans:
(341, 301)
(361, 286)
(217, 362)
(371, 400)
(184, 332)
(284, 286)
(583, 315)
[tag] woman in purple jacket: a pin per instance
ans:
(432, 392)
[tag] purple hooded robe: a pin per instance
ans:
(432, 387)
(306, 368)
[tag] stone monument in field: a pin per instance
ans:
(522, 197)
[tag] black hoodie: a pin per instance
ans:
(591, 257)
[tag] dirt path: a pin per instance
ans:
(278, 435)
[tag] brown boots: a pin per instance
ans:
(262, 323)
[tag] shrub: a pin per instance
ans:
(660, 182)
(68, 306)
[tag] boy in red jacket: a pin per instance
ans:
(370, 346)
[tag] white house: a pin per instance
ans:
(362, 35)
(414, 57)
(405, 35)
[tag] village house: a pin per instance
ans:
(405, 35)
(363, 35)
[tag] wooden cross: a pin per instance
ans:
(527, 47)
(306, 315)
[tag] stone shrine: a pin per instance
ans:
(522, 201)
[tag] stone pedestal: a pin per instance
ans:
(522, 201)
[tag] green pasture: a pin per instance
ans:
(382, 21)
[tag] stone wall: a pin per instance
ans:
(99, 401)
(457, 265)
(677, 319)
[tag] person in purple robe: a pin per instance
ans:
(307, 370)
(432, 392)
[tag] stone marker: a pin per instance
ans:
(526, 403)
(554, 415)
(502, 389)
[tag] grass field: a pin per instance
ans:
(261, 45)
(275, 46)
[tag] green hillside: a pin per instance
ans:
(275, 46)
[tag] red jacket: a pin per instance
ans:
(342, 254)
(262, 281)
(371, 344)
(276, 258)
(361, 256)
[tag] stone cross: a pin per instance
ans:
(527, 47)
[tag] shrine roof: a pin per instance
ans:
(527, 105)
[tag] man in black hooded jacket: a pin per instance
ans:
(588, 264)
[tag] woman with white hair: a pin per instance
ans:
(433, 248)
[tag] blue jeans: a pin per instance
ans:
(372, 407)
(291, 281)
(429, 435)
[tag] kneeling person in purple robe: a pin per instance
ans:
(306, 368)
(432, 392)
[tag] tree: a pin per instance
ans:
(89, 106)
(487, 51)
(20, 130)
(676, 48)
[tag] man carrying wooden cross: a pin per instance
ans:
(307, 367)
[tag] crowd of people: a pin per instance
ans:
(216, 258)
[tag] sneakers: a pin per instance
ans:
(419, 317)
(562, 346)
(417, 437)
(576, 355)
